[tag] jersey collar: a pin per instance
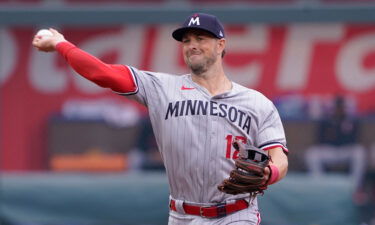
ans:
(236, 88)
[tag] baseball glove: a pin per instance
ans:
(248, 177)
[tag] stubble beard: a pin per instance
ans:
(201, 67)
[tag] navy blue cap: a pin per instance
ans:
(200, 21)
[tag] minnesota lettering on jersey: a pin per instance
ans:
(198, 107)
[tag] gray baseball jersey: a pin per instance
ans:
(194, 130)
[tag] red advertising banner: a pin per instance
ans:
(306, 59)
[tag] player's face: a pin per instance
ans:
(200, 50)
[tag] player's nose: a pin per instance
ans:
(193, 44)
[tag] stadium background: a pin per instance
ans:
(70, 151)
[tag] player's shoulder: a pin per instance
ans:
(155, 75)
(254, 99)
(251, 93)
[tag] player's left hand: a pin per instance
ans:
(251, 174)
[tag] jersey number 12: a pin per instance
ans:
(230, 140)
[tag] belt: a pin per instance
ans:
(215, 211)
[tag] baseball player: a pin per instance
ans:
(196, 119)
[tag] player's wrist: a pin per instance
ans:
(64, 47)
(274, 174)
(57, 42)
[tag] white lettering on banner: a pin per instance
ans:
(350, 70)
(44, 75)
(255, 39)
(128, 45)
(166, 54)
(296, 56)
(8, 55)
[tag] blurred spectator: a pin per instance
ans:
(337, 145)
(291, 106)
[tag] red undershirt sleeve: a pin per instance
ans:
(116, 77)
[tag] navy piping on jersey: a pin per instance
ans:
(275, 143)
(136, 83)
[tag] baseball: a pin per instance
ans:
(44, 32)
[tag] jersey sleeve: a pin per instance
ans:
(149, 86)
(271, 131)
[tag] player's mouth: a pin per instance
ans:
(192, 56)
(193, 53)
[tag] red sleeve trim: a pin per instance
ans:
(274, 145)
(134, 79)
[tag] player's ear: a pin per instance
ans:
(221, 45)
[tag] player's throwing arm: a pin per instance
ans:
(116, 77)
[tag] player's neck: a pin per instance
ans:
(214, 80)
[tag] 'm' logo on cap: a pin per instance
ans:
(194, 21)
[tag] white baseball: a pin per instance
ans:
(44, 32)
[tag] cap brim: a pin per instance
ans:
(178, 34)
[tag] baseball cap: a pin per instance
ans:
(200, 21)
